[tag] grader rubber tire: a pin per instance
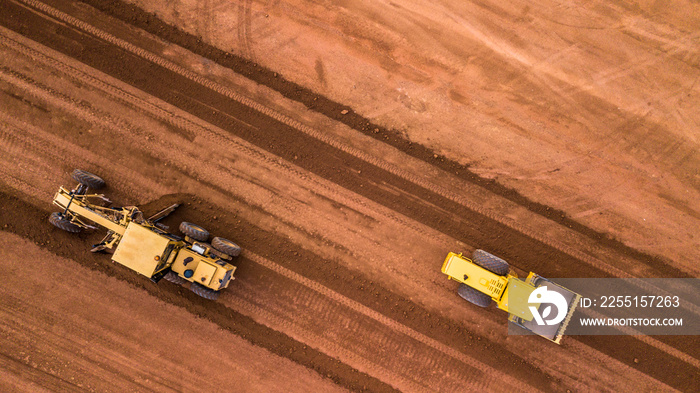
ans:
(204, 292)
(61, 222)
(174, 278)
(490, 262)
(226, 246)
(88, 179)
(194, 231)
(473, 296)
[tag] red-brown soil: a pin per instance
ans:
(344, 219)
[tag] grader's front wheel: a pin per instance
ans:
(204, 292)
(88, 179)
(60, 221)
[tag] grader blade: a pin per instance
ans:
(163, 213)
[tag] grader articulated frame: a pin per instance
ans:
(143, 245)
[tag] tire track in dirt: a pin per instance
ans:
(64, 344)
(390, 323)
(35, 380)
(329, 346)
(12, 146)
(436, 371)
(62, 151)
(35, 141)
(244, 28)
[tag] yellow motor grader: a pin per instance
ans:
(486, 278)
(143, 244)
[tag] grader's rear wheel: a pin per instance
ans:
(194, 231)
(204, 292)
(60, 221)
(174, 278)
(473, 296)
(226, 246)
(88, 179)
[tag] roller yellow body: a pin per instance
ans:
(510, 293)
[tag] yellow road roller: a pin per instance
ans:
(486, 278)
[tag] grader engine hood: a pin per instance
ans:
(142, 250)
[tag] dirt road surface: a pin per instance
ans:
(345, 188)
(56, 336)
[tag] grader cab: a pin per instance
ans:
(486, 278)
(141, 244)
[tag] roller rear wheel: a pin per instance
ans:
(490, 262)
(473, 296)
